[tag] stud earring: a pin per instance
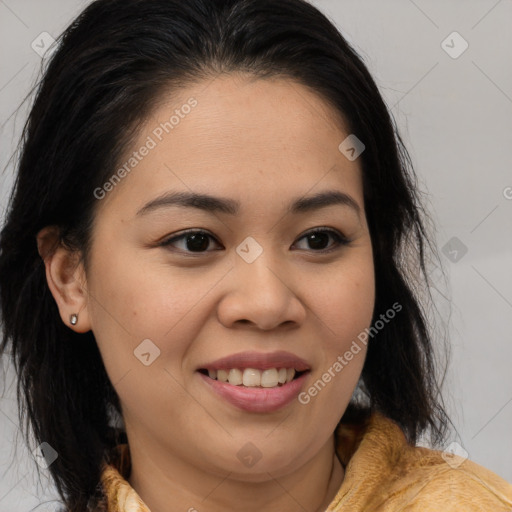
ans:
(73, 319)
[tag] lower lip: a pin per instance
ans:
(257, 399)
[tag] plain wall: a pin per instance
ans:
(455, 115)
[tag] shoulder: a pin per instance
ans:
(383, 472)
(435, 480)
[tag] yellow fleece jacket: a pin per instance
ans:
(383, 473)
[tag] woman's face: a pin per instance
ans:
(257, 284)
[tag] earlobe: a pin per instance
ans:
(66, 279)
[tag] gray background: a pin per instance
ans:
(455, 115)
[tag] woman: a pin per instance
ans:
(261, 368)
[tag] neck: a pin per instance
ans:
(164, 483)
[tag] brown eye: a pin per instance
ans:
(191, 241)
(198, 241)
(319, 239)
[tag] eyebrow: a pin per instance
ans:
(231, 207)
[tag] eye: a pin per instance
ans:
(319, 236)
(193, 240)
(197, 241)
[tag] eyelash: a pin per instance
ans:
(339, 238)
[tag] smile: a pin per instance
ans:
(253, 377)
(256, 398)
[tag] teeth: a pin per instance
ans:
(252, 377)
(269, 378)
(235, 377)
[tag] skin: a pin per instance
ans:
(262, 143)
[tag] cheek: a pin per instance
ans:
(134, 300)
(344, 309)
(130, 306)
(344, 302)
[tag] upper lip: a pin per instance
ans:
(258, 360)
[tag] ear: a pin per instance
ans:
(66, 278)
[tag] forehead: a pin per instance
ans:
(235, 108)
(234, 133)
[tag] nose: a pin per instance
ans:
(263, 294)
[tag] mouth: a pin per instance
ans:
(254, 377)
(256, 398)
(256, 382)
